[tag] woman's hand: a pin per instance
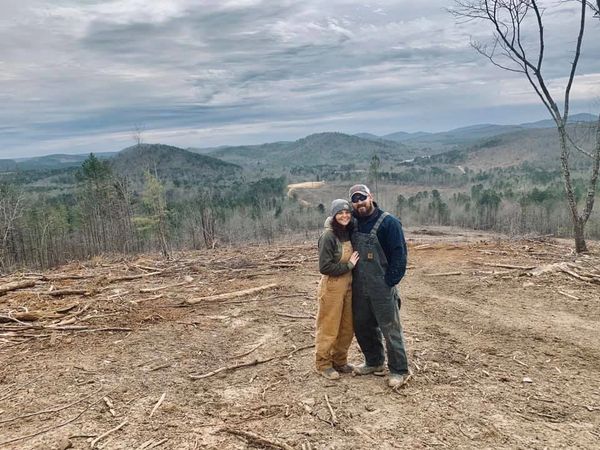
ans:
(354, 258)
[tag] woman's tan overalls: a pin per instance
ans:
(334, 318)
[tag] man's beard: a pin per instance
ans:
(365, 211)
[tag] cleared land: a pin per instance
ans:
(502, 358)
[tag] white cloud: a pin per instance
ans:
(80, 74)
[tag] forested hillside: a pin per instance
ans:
(171, 163)
(146, 198)
(324, 149)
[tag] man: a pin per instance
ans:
(380, 243)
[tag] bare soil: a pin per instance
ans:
(501, 358)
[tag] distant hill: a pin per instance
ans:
(316, 149)
(50, 162)
(171, 163)
(549, 123)
(466, 136)
(402, 136)
(536, 146)
(373, 137)
(8, 165)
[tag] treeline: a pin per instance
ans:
(52, 217)
(413, 173)
(535, 210)
(516, 200)
(103, 212)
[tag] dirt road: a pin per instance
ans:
(501, 359)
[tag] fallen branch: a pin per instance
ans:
(249, 351)
(260, 440)
(9, 392)
(569, 295)
(16, 285)
(63, 292)
(19, 318)
(422, 247)
(151, 444)
(465, 433)
(158, 403)
(333, 417)
(64, 277)
(142, 300)
(247, 364)
(106, 433)
(507, 266)
(151, 269)
(110, 405)
(365, 434)
(162, 366)
(230, 295)
(132, 277)
(45, 430)
(62, 328)
(67, 308)
(51, 410)
(162, 288)
(232, 367)
(576, 275)
(519, 362)
(93, 330)
(295, 316)
(442, 274)
(99, 316)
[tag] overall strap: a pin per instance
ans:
(376, 226)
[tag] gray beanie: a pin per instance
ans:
(339, 204)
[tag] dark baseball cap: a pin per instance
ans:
(359, 189)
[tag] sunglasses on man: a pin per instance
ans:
(359, 198)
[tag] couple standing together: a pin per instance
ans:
(362, 256)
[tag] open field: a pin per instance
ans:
(502, 357)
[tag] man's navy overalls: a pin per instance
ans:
(375, 305)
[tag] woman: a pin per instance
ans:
(334, 319)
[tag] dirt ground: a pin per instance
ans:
(503, 357)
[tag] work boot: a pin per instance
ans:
(395, 380)
(365, 369)
(330, 373)
(346, 368)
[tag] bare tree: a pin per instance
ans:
(208, 219)
(155, 200)
(374, 166)
(516, 49)
(138, 133)
(11, 209)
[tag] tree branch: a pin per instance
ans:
(575, 61)
(591, 193)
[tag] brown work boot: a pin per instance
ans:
(330, 373)
(345, 368)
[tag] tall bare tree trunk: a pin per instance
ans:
(578, 223)
(515, 50)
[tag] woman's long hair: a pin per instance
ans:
(341, 231)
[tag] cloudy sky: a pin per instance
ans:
(79, 75)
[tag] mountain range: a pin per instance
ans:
(484, 145)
